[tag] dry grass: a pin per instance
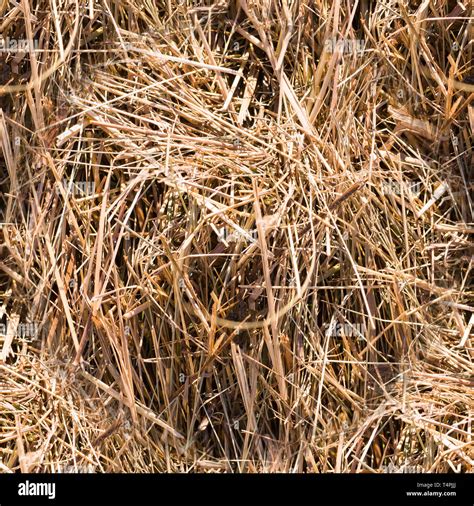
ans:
(332, 331)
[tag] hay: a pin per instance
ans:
(236, 236)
